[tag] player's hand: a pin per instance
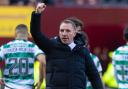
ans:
(40, 7)
(38, 85)
(1, 82)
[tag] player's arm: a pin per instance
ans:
(1, 67)
(43, 42)
(42, 68)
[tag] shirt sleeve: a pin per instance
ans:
(43, 42)
(97, 63)
(113, 63)
(1, 53)
(37, 51)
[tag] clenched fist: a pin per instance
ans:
(40, 7)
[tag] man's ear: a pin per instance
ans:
(15, 35)
(28, 34)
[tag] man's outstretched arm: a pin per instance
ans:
(35, 28)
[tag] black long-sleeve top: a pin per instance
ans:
(65, 68)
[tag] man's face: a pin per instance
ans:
(67, 33)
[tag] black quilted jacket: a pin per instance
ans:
(65, 68)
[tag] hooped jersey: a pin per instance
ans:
(120, 62)
(98, 66)
(19, 57)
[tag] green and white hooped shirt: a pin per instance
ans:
(19, 57)
(98, 66)
(120, 62)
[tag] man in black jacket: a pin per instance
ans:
(67, 63)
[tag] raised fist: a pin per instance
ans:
(40, 7)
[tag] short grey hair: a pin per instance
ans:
(69, 21)
(21, 27)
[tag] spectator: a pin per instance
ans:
(80, 2)
(19, 2)
(4, 2)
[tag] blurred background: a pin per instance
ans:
(104, 21)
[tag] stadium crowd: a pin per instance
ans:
(66, 2)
